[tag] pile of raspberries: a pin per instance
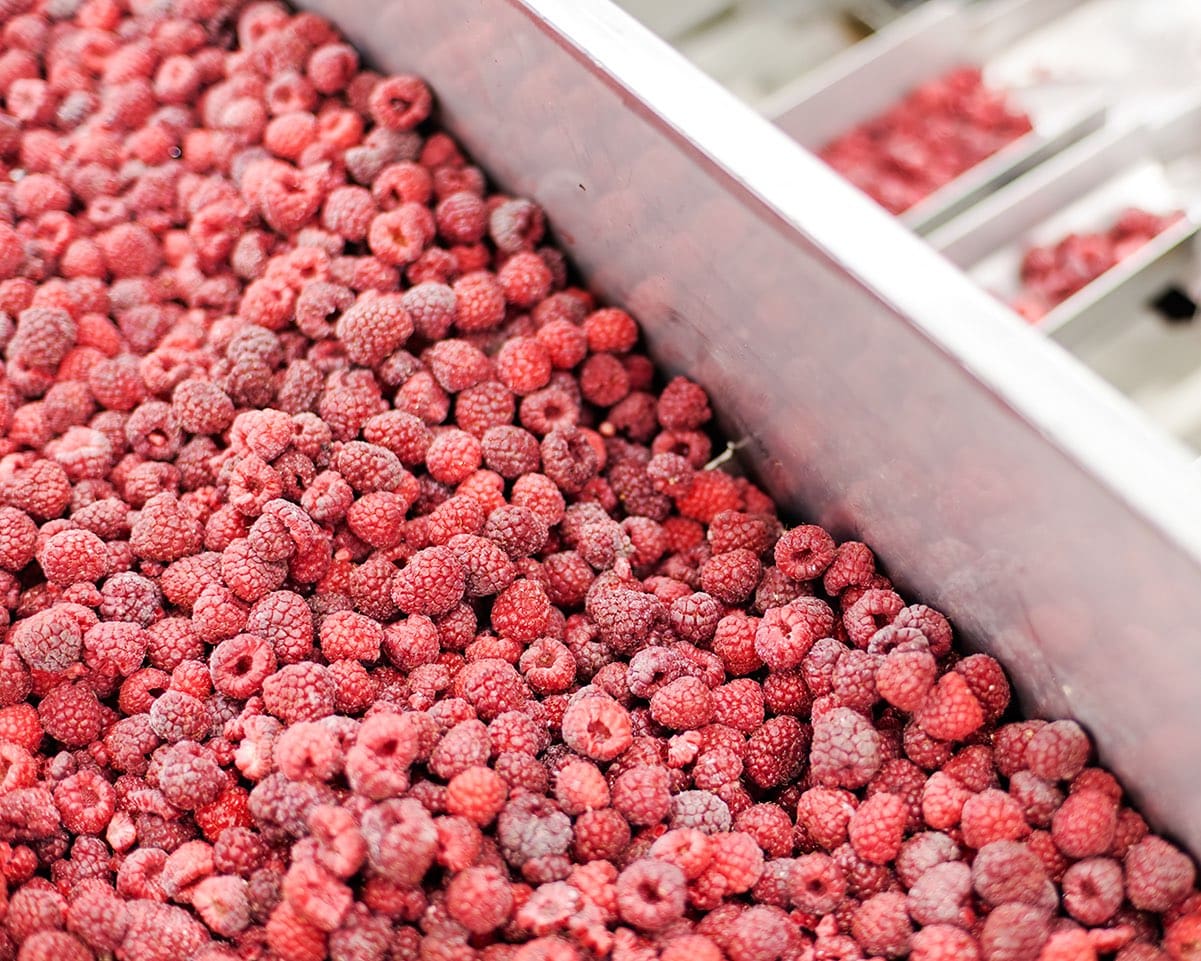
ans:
(935, 133)
(1052, 273)
(367, 595)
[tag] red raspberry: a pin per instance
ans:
(525, 279)
(521, 611)
(943, 942)
(510, 451)
(992, 815)
(731, 577)
(683, 704)
(400, 102)
(492, 687)
(770, 826)
(846, 749)
(71, 714)
(1007, 871)
(433, 582)
(1084, 826)
(375, 325)
(49, 640)
(1014, 931)
(299, 692)
(650, 894)
(1158, 875)
(881, 925)
(1092, 890)
(548, 666)
(1058, 751)
(480, 899)
(951, 712)
(776, 752)
(683, 405)
(642, 794)
(345, 634)
(476, 793)
(1181, 939)
(600, 835)
(597, 727)
(18, 538)
(479, 302)
(164, 531)
(804, 553)
(739, 704)
(816, 883)
(86, 802)
(905, 678)
(610, 329)
(939, 895)
(876, 828)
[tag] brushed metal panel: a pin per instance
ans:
(878, 390)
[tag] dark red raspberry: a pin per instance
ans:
(776, 752)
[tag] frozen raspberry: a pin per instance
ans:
(1182, 938)
(1158, 875)
(804, 553)
(1058, 752)
(846, 749)
(400, 102)
(347, 635)
(373, 327)
(548, 666)
(1006, 871)
(479, 302)
(521, 611)
(164, 531)
(650, 894)
(568, 458)
(776, 752)
(939, 895)
(18, 538)
(71, 714)
(731, 577)
(299, 692)
(943, 942)
(876, 828)
(905, 678)
(683, 405)
(1084, 826)
(433, 582)
(881, 925)
(491, 686)
(476, 793)
(1092, 890)
(951, 711)
(479, 898)
(786, 634)
(48, 640)
(992, 815)
(684, 704)
(597, 727)
(642, 794)
(201, 407)
(1014, 931)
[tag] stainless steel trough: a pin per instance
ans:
(877, 388)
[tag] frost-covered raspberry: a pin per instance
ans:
(846, 750)
(597, 727)
(1158, 874)
(433, 582)
(650, 894)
